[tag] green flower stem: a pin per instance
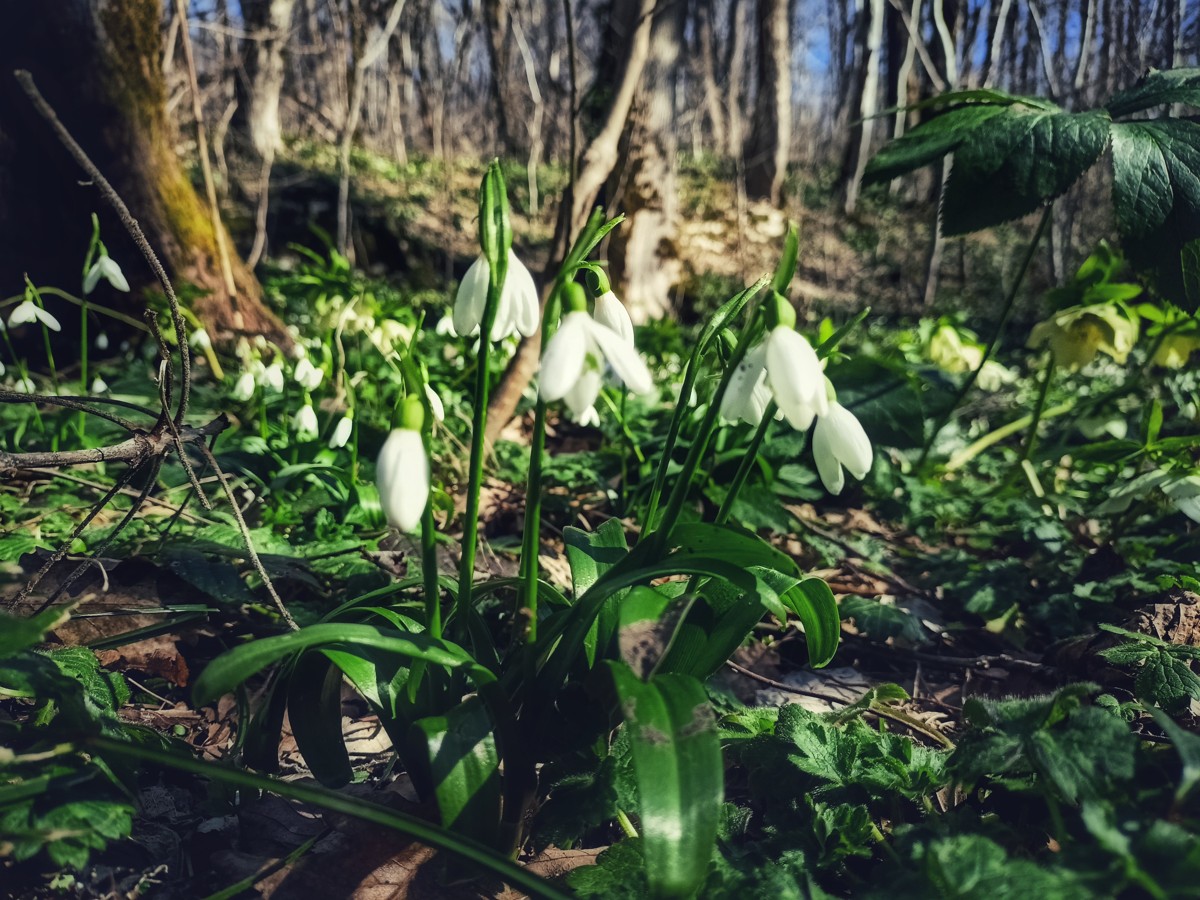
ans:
(533, 523)
(1038, 409)
(416, 828)
(1005, 312)
(429, 567)
(746, 465)
(466, 569)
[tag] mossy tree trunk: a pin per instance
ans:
(99, 64)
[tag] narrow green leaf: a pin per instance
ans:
(315, 713)
(454, 762)
(590, 554)
(814, 605)
(680, 776)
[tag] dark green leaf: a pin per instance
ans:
(680, 776)
(315, 712)
(1158, 88)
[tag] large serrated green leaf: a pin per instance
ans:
(454, 762)
(1158, 88)
(680, 776)
(1156, 165)
(1016, 162)
(928, 142)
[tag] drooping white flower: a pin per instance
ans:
(102, 341)
(2, 369)
(747, 395)
(795, 377)
(307, 375)
(243, 388)
(25, 386)
(341, 432)
(402, 476)
(27, 311)
(105, 267)
(574, 358)
(839, 440)
(304, 423)
(435, 404)
(611, 312)
(272, 377)
(99, 385)
(517, 310)
(200, 339)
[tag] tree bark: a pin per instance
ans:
(99, 64)
(868, 102)
(766, 149)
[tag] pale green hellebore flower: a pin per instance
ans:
(402, 477)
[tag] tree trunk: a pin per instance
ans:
(766, 149)
(496, 18)
(707, 46)
(99, 64)
(642, 254)
(868, 102)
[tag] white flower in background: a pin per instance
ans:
(99, 385)
(839, 440)
(304, 423)
(102, 341)
(517, 310)
(795, 377)
(105, 267)
(1185, 494)
(307, 375)
(243, 388)
(611, 312)
(993, 376)
(435, 404)
(389, 335)
(445, 327)
(25, 386)
(27, 311)
(200, 340)
(272, 377)
(2, 370)
(573, 363)
(402, 476)
(341, 432)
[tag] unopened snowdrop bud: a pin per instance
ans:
(99, 385)
(517, 310)
(304, 423)
(435, 404)
(272, 377)
(105, 267)
(341, 432)
(445, 327)
(307, 375)
(839, 440)
(102, 341)
(27, 312)
(402, 472)
(25, 386)
(243, 388)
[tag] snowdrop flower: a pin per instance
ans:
(445, 327)
(518, 307)
(105, 267)
(25, 386)
(2, 370)
(304, 423)
(272, 377)
(27, 311)
(307, 375)
(785, 368)
(747, 395)
(200, 340)
(572, 363)
(243, 388)
(402, 476)
(341, 432)
(435, 404)
(839, 440)
(102, 341)
(611, 312)
(99, 385)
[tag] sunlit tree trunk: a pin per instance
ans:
(99, 64)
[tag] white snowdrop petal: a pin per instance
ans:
(92, 278)
(435, 404)
(471, 297)
(582, 397)
(828, 466)
(402, 476)
(341, 433)
(626, 362)
(521, 297)
(23, 313)
(611, 312)
(112, 272)
(563, 361)
(849, 440)
(795, 375)
(46, 319)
